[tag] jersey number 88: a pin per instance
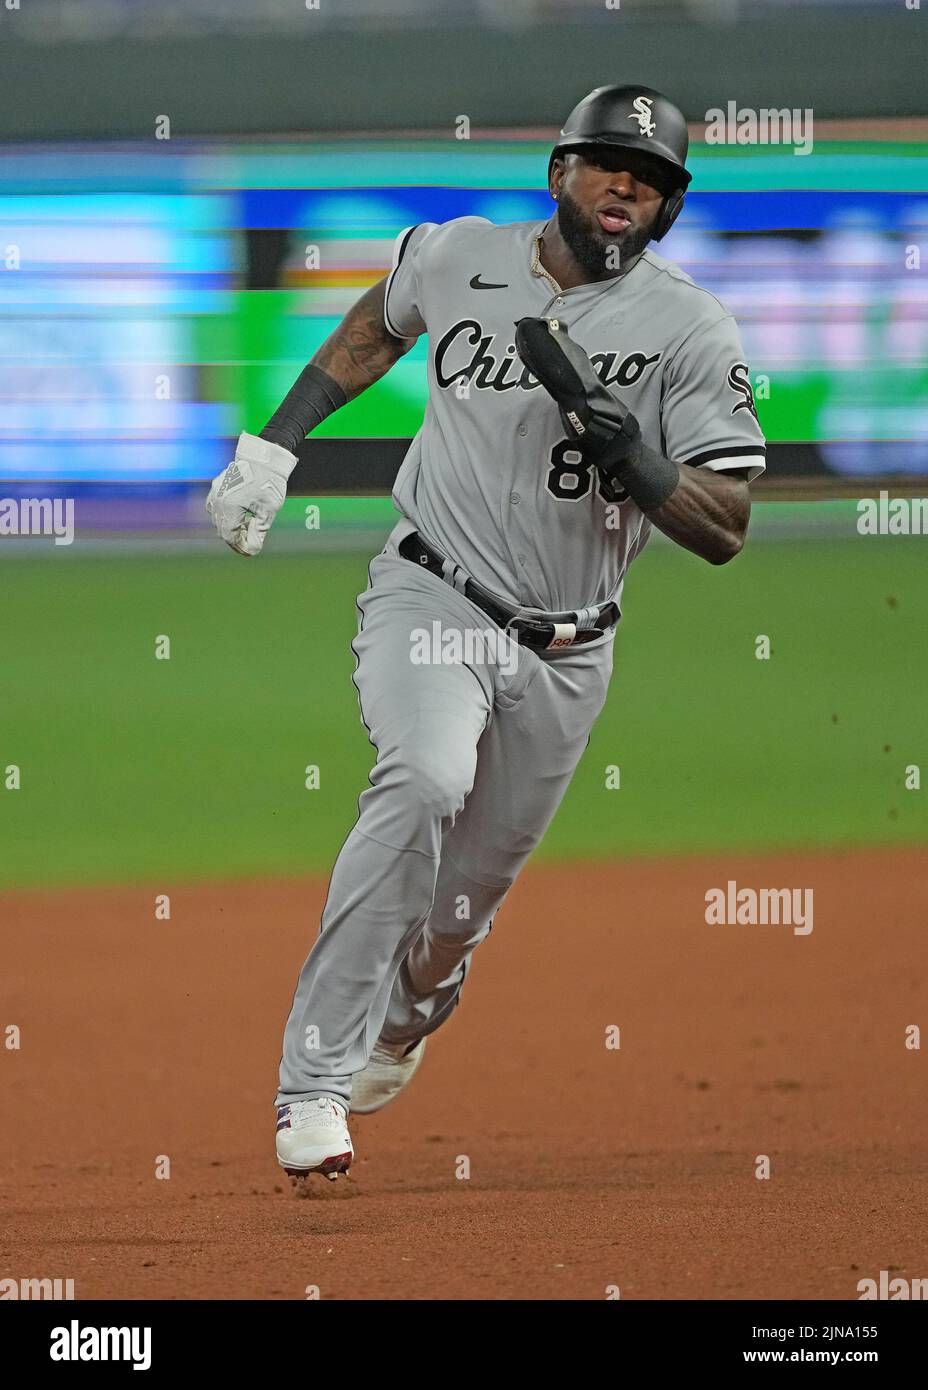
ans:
(569, 478)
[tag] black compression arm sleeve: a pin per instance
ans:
(649, 477)
(646, 475)
(313, 396)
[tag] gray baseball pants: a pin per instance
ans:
(472, 763)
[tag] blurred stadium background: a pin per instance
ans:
(159, 295)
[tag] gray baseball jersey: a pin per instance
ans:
(472, 758)
(490, 477)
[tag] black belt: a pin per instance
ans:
(558, 631)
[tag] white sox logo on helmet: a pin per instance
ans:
(642, 114)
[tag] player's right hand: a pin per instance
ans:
(245, 498)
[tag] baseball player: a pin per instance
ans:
(582, 390)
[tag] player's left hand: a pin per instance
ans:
(604, 430)
(245, 498)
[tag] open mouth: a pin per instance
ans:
(613, 220)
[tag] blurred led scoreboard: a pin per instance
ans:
(155, 302)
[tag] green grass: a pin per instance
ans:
(137, 769)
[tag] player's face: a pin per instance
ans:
(607, 199)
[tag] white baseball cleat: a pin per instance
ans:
(312, 1137)
(391, 1067)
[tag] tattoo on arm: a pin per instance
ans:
(361, 350)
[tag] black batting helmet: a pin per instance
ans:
(634, 118)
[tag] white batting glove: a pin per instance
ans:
(245, 497)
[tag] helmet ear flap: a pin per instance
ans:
(671, 208)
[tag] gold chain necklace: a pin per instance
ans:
(538, 268)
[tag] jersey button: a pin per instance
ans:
(521, 559)
(523, 429)
(514, 498)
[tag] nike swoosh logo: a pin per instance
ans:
(478, 284)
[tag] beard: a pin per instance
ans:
(590, 245)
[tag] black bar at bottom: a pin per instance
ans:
(694, 1336)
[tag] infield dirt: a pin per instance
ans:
(590, 1167)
